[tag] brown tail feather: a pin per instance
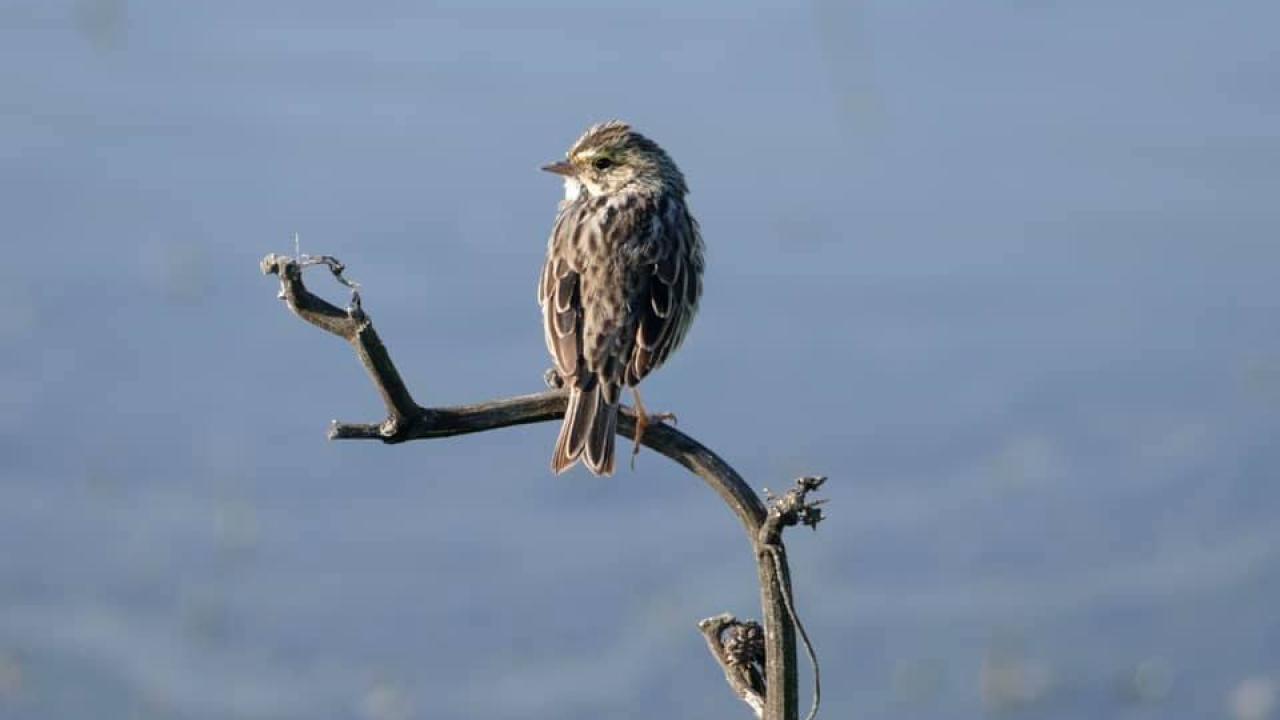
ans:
(599, 450)
(590, 423)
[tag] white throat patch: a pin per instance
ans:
(572, 189)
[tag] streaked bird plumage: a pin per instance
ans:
(621, 282)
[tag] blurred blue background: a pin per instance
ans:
(1006, 271)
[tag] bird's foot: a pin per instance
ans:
(553, 379)
(643, 420)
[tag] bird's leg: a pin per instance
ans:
(643, 420)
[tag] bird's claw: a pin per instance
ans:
(643, 421)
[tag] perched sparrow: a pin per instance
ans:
(621, 282)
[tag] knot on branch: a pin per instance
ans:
(792, 508)
(738, 648)
(745, 645)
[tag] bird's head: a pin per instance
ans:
(611, 157)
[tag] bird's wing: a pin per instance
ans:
(560, 297)
(668, 292)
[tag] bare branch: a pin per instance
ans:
(792, 508)
(771, 652)
(351, 325)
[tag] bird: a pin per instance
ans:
(620, 285)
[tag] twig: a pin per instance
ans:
(407, 420)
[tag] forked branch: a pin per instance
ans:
(759, 663)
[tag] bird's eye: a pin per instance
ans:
(602, 163)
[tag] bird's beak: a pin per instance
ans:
(563, 167)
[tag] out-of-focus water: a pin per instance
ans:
(1007, 272)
